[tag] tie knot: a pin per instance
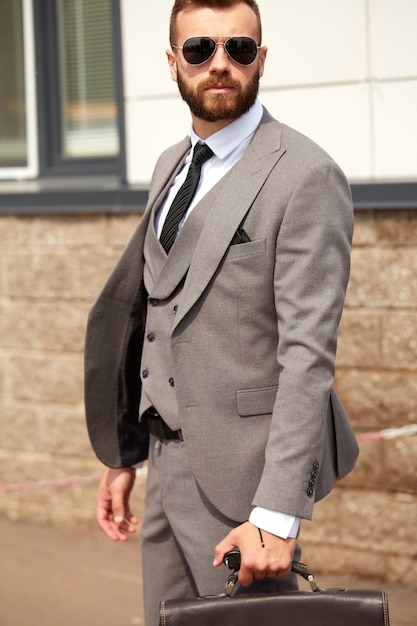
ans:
(201, 153)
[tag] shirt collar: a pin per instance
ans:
(224, 141)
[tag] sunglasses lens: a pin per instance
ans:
(198, 50)
(243, 50)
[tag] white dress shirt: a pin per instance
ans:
(228, 146)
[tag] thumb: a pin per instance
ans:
(221, 549)
(122, 511)
(120, 484)
(119, 512)
(126, 516)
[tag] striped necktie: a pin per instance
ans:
(184, 196)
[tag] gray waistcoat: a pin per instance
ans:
(164, 280)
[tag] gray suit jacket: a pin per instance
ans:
(254, 337)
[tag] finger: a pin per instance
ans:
(116, 530)
(111, 530)
(105, 518)
(120, 508)
(107, 524)
(125, 525)
(221, 549)
(246, 577)
(130, 517)
(283, 572)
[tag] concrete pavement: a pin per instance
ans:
(54, 577)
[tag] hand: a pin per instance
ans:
(113, 513)
(274, 560)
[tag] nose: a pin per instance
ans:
(220, 59)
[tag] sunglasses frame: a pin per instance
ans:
(218, 43)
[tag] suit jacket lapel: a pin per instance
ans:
(181, 254)
(243, 183)
(167, 168)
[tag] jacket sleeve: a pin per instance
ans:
(311, 276)
(112, 359)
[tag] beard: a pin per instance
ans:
(214, 108)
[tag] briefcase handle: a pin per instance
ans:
(232, 561)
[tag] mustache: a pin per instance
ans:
(219, 81)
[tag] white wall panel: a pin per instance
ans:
(337, 118)
(314, 41)
(393, 38)
(396, 130)
(145, 37)
(153, 126)
(335, 71)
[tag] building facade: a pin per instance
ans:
(86, 106)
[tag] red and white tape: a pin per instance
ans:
(29, 485)
(388, 433)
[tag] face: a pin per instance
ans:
(220, 90)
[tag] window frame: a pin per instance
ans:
(104, 195)
(51, 164)
(31, 169)
(66, 190)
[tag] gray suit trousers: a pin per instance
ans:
(179, 533)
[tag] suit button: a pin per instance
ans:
(154, 302)
(150, 337)
(145, 373)
(172, 382)
(312, 482)
(310, 492)
(313, 474)
(316, 466)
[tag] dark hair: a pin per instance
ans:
(184, 5)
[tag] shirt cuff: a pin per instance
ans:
(279, 524)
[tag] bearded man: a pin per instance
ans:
(210, 350)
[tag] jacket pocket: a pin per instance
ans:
(258, 401)
(246, 249)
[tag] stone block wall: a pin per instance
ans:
(51, 268)
(368, 525)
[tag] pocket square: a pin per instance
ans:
(240, 236)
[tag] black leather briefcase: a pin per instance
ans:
(318, 607)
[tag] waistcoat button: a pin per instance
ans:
(154, 301)
(172, 382)
(145, 373)
(150, 337)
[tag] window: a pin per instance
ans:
(18, 150)
(88, 111)
(12, 95)
(78, 101)
(60, 90)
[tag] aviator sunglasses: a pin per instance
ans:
(198, 50)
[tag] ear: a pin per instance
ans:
(172, 62)
(262, 56)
